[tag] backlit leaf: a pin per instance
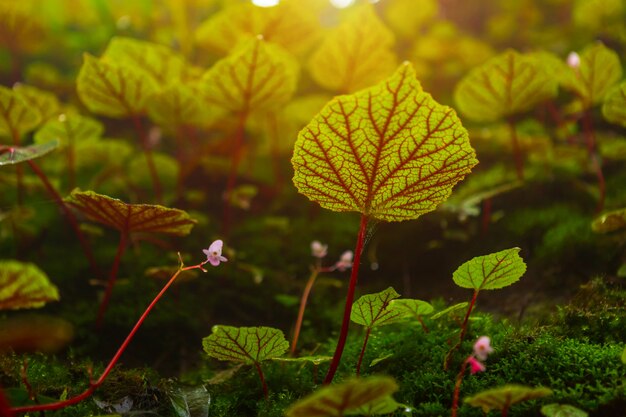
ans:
(374, 309)
(610, 222)
(20, 29)
(450, 311)
(385, 405)
(505, 396)
(69, 129)
(562, 410)
(389, 152)
(113, 90)
(129, 218)
(599, 71)
(249, 345)
(139, 172)
(408, 20)
(507, 84)
(489, 272)
(416, 308)
(17, 117)
(44, 102)
(258, 75)
(614, 106)
(178, 105)
(15, 155)
(337, 399)
(24, 285)
(356, 54)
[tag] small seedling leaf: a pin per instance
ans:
(248, 345)
(69, 129)
(24, 285)
(450, 311)
(415, 308)
(356, 54)
(614, 106)
(380, 359)
(490, 272)
(505, 396)
(562, 410)
(315, 360)
(610, 222)
(389, 152)
(44, 102)
(507, 84)
(15, 155)
(129, 218)
(373, 310)
(335, 400)
(17, 117)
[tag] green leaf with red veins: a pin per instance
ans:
(614, 106)
(14, 155)
(24, 285)
(45, 102)
(249, 345)
(503, 397)
(69, 129)
(373, 310)
(390, 152)
(16, 116)
(415, 308)
(490, 272)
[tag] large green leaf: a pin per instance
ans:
(69, 129)
(489, 272)
(338, 399)
(390, 152)
(249, 345)
(128, 218)
(507, 84)
(375, 309)
(505, 396)
(44, 102)
(598, 72)
(614, 106)
(24, 285)
(113, 90)
(257, 76)
(17, 117)
(15, 155)
(562, 410)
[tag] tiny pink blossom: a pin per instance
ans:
(345, 261)
(318, 249)
(573, 60)
(482, 347)
(214, 253)
(475, 365)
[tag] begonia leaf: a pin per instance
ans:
(416, 308)
(356, 54)
(375, 310)
(338, 399)
(45, 102)
(614, 106)
(15, 155)
(69, 129)
(390, 152)
(385, 405)
(610, 222)
(450, 311)
(139, 171)
(598, 72)
(562, 410)
(257, 76)
(128, 218)
(20, 29)
(507, 84)
(34, 333)
(249, 345)
(17, 117)
(178, 105)
(113, 90)
(505, 396)
(408, 20)
(490, 272)
(24, 285)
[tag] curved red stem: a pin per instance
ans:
(358, 364)
(121, 247)
(446, 363)
(234, 168)
(457, 389)
(262, 378)
(303, 302)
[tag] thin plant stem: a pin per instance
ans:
(71, 165)
(239, 137)
(457, 389)
(143, 138)
(121, 247)
(590, 140)
(463, 330)
(303, 301)
(19, 172)
(517, 151)
(24, 375)
(505, 409)
(93, 385)
(358, 364)
(486, 215)
(275, 151)
(424, 327)
(262, 378)
(5, 407)
(341, 342)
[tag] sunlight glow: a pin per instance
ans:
(265, 3)
(342, 4)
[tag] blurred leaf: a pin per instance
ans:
(15, 155)
(34, 334)
(20, 29)
(450, 311)
(69, 129)
(44, 102)
(108, 153)
(614, 106)
(24, 285)
(596, 15)
(356, 54)
(385, 405)
(490, 272)
(190, 401)
(315, 360)
(373, 310)
(609, 222)
(139, 173)
(178, 105)
(406, 19)
(380, 359)
(562, 410)
(17, 117)
(505, 396)
(249, 345)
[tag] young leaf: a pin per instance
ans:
(178, 105)
(24, 285)
(356, 54)
(416, 308)
(562, 410)
(375, 309)
(507, 84)
(450, 311)
(389, 152)
(489, 272)
(249, 345)
(113, 90)
(385, 405)
(69, 129)
(128, 218)
(315, 360)
(17, 117)
(336, 400)
(614, 106)
(44, 102)
(16, 155)
(258, 75)
(610, 222)
(505, 396)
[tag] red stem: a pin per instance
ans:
(463, 330)
(71, 164)
(234, 168)
(349, 299)
(303, 302)
(486, 215)
(457, 389)
(143, 138)
(69, 215)
(262, 377)
(590, 139)
(517, 151)
(358, 364)
(93, 385)
(505, 410)
(121, 247)
(19, 173)
(5, 407)
(419, 318)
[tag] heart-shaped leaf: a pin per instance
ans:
(489, 272)
(178, 105)
(610, 222)
(598, 72)
(69, 129)
(356, 54)
(46, 103)
(614, 106)
(373, 310)
(113, 90)
(257, 76)
(505, 396)
(249, 345)
(507, 84)
(390, 152)
(17, 117)
(415, 308)
(129, 218)
(335, 400)
(15, 155)
(24, 285)
(562, 410)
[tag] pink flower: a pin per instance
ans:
(214, 253)
(573, 60)
(318, 249)
(482, 347)
(475, 365)
(345, 261)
